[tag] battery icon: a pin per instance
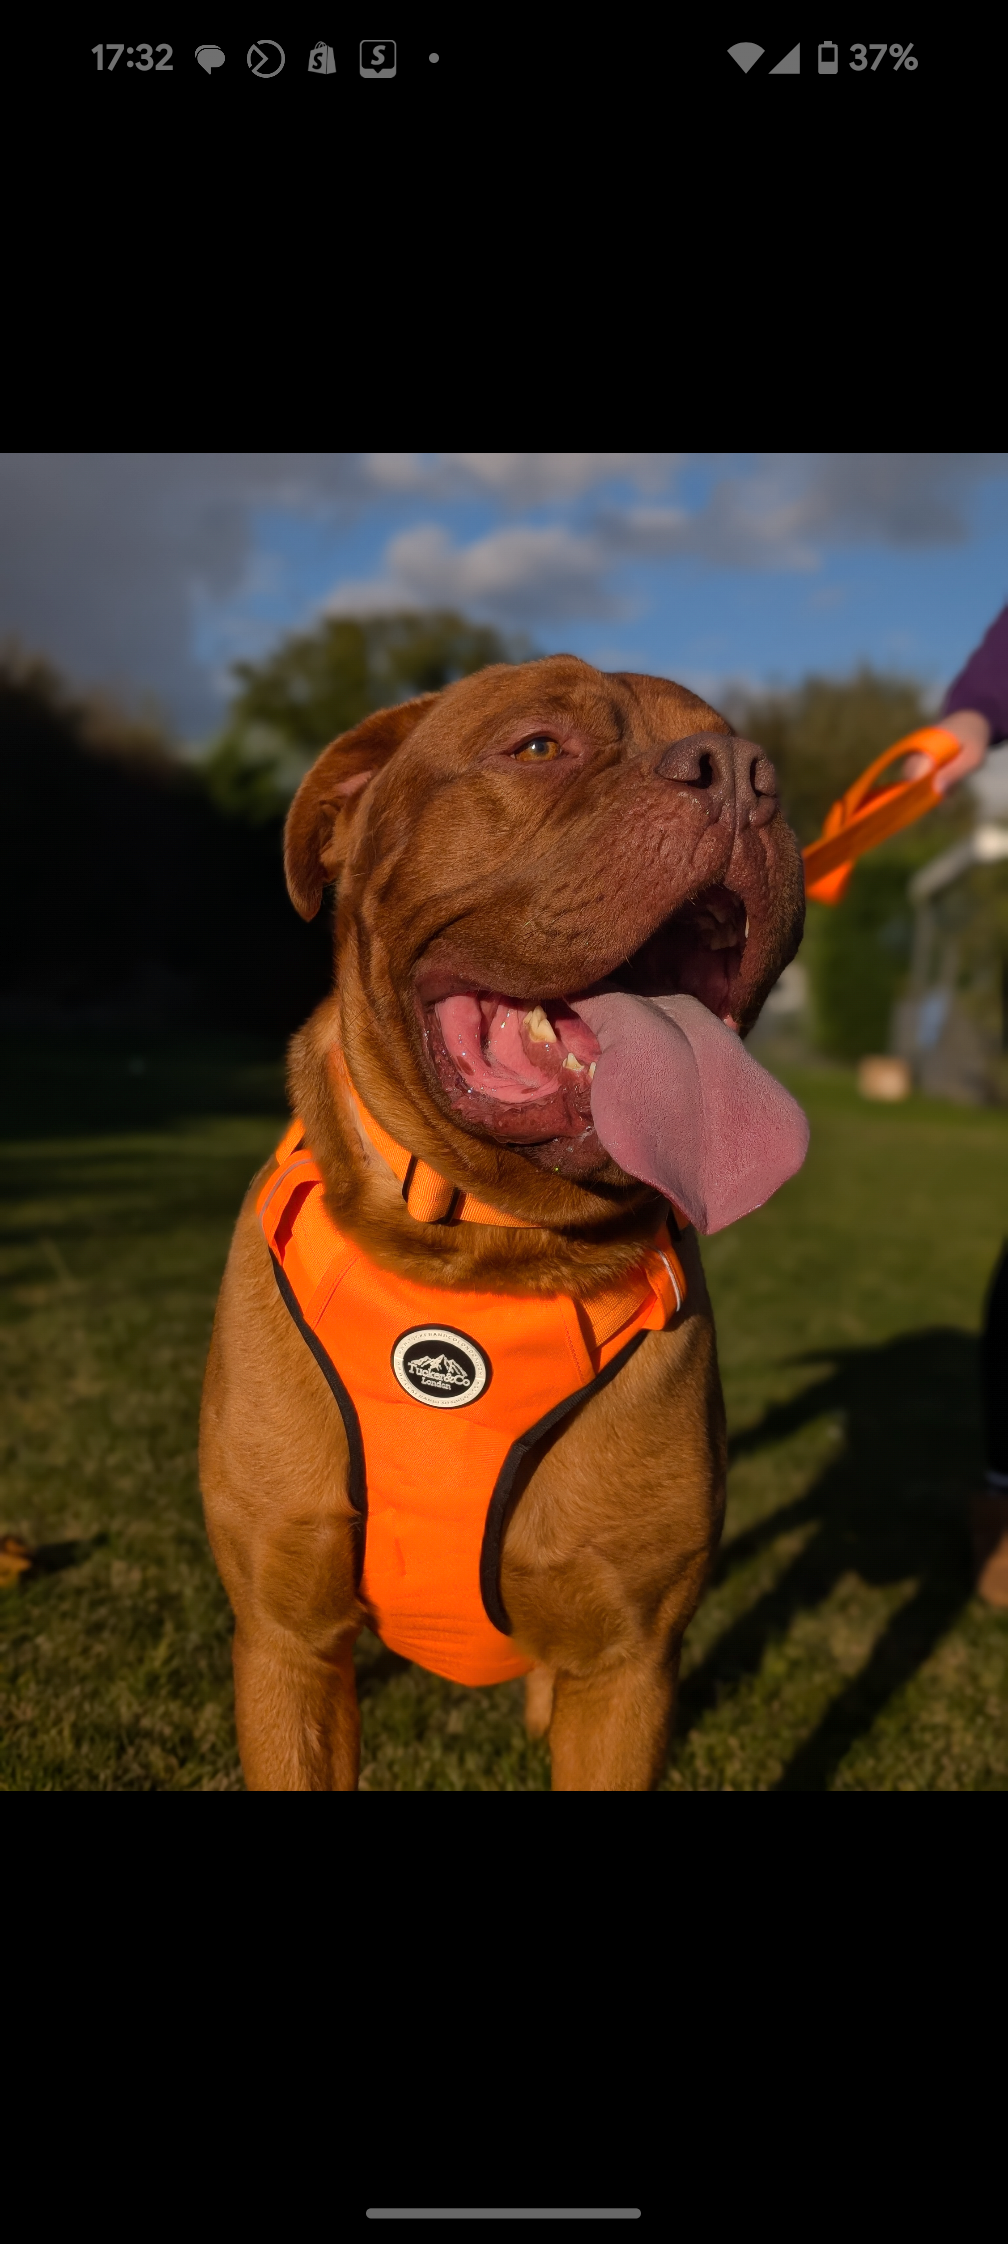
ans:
(829, 59)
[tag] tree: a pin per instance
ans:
(822, 735)
(320, 683)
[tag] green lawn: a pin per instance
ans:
(838, 1648)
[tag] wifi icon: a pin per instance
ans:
(745, 54)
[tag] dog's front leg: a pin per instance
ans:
(273, 1466)
(296, 1713)
(290, 1584)
(289, 1576)
(610, 1728)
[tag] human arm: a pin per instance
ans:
(975, 708)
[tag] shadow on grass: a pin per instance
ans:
(55, 1558)
(887, 1509)
(20, 1565)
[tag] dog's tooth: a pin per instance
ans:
(747, 927)
(591, 1070)
(539, 1028)
(574, 1065)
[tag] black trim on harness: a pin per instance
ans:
(357, 1479)
(493, 1532)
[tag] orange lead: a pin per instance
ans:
(860, 820)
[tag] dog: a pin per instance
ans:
(463, 1384)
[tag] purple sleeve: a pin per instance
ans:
(983, 684)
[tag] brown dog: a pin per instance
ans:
(522, 860)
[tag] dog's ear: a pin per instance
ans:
(321, 815)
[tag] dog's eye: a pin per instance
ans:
(538, 751)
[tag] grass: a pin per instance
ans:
(838, 1648)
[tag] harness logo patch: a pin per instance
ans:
(440, 1367)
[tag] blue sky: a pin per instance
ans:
(151, 572)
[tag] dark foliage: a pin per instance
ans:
(137, 886)
(126, 889)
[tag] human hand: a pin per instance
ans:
(974, 731)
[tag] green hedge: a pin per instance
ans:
(857, 954)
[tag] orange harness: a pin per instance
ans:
(442, 1394)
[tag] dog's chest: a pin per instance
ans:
(442, 1394)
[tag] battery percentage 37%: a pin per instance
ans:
(904, 57)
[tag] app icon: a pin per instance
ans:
(377, 58)
(266, 58)
(829, 58)
(322, 61)
(209, 58)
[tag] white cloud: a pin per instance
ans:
(773, 504)
(516, 575)
(517, 478)
(783, 510)
(779, 513)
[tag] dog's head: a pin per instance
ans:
(505, 850)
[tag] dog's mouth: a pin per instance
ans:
(523, 1069)
(641, 1070)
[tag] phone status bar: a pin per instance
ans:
(415, 60)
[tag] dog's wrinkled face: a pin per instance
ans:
(529, 836)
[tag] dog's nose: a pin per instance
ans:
(730, 773)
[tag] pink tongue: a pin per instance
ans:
(678, 1101)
